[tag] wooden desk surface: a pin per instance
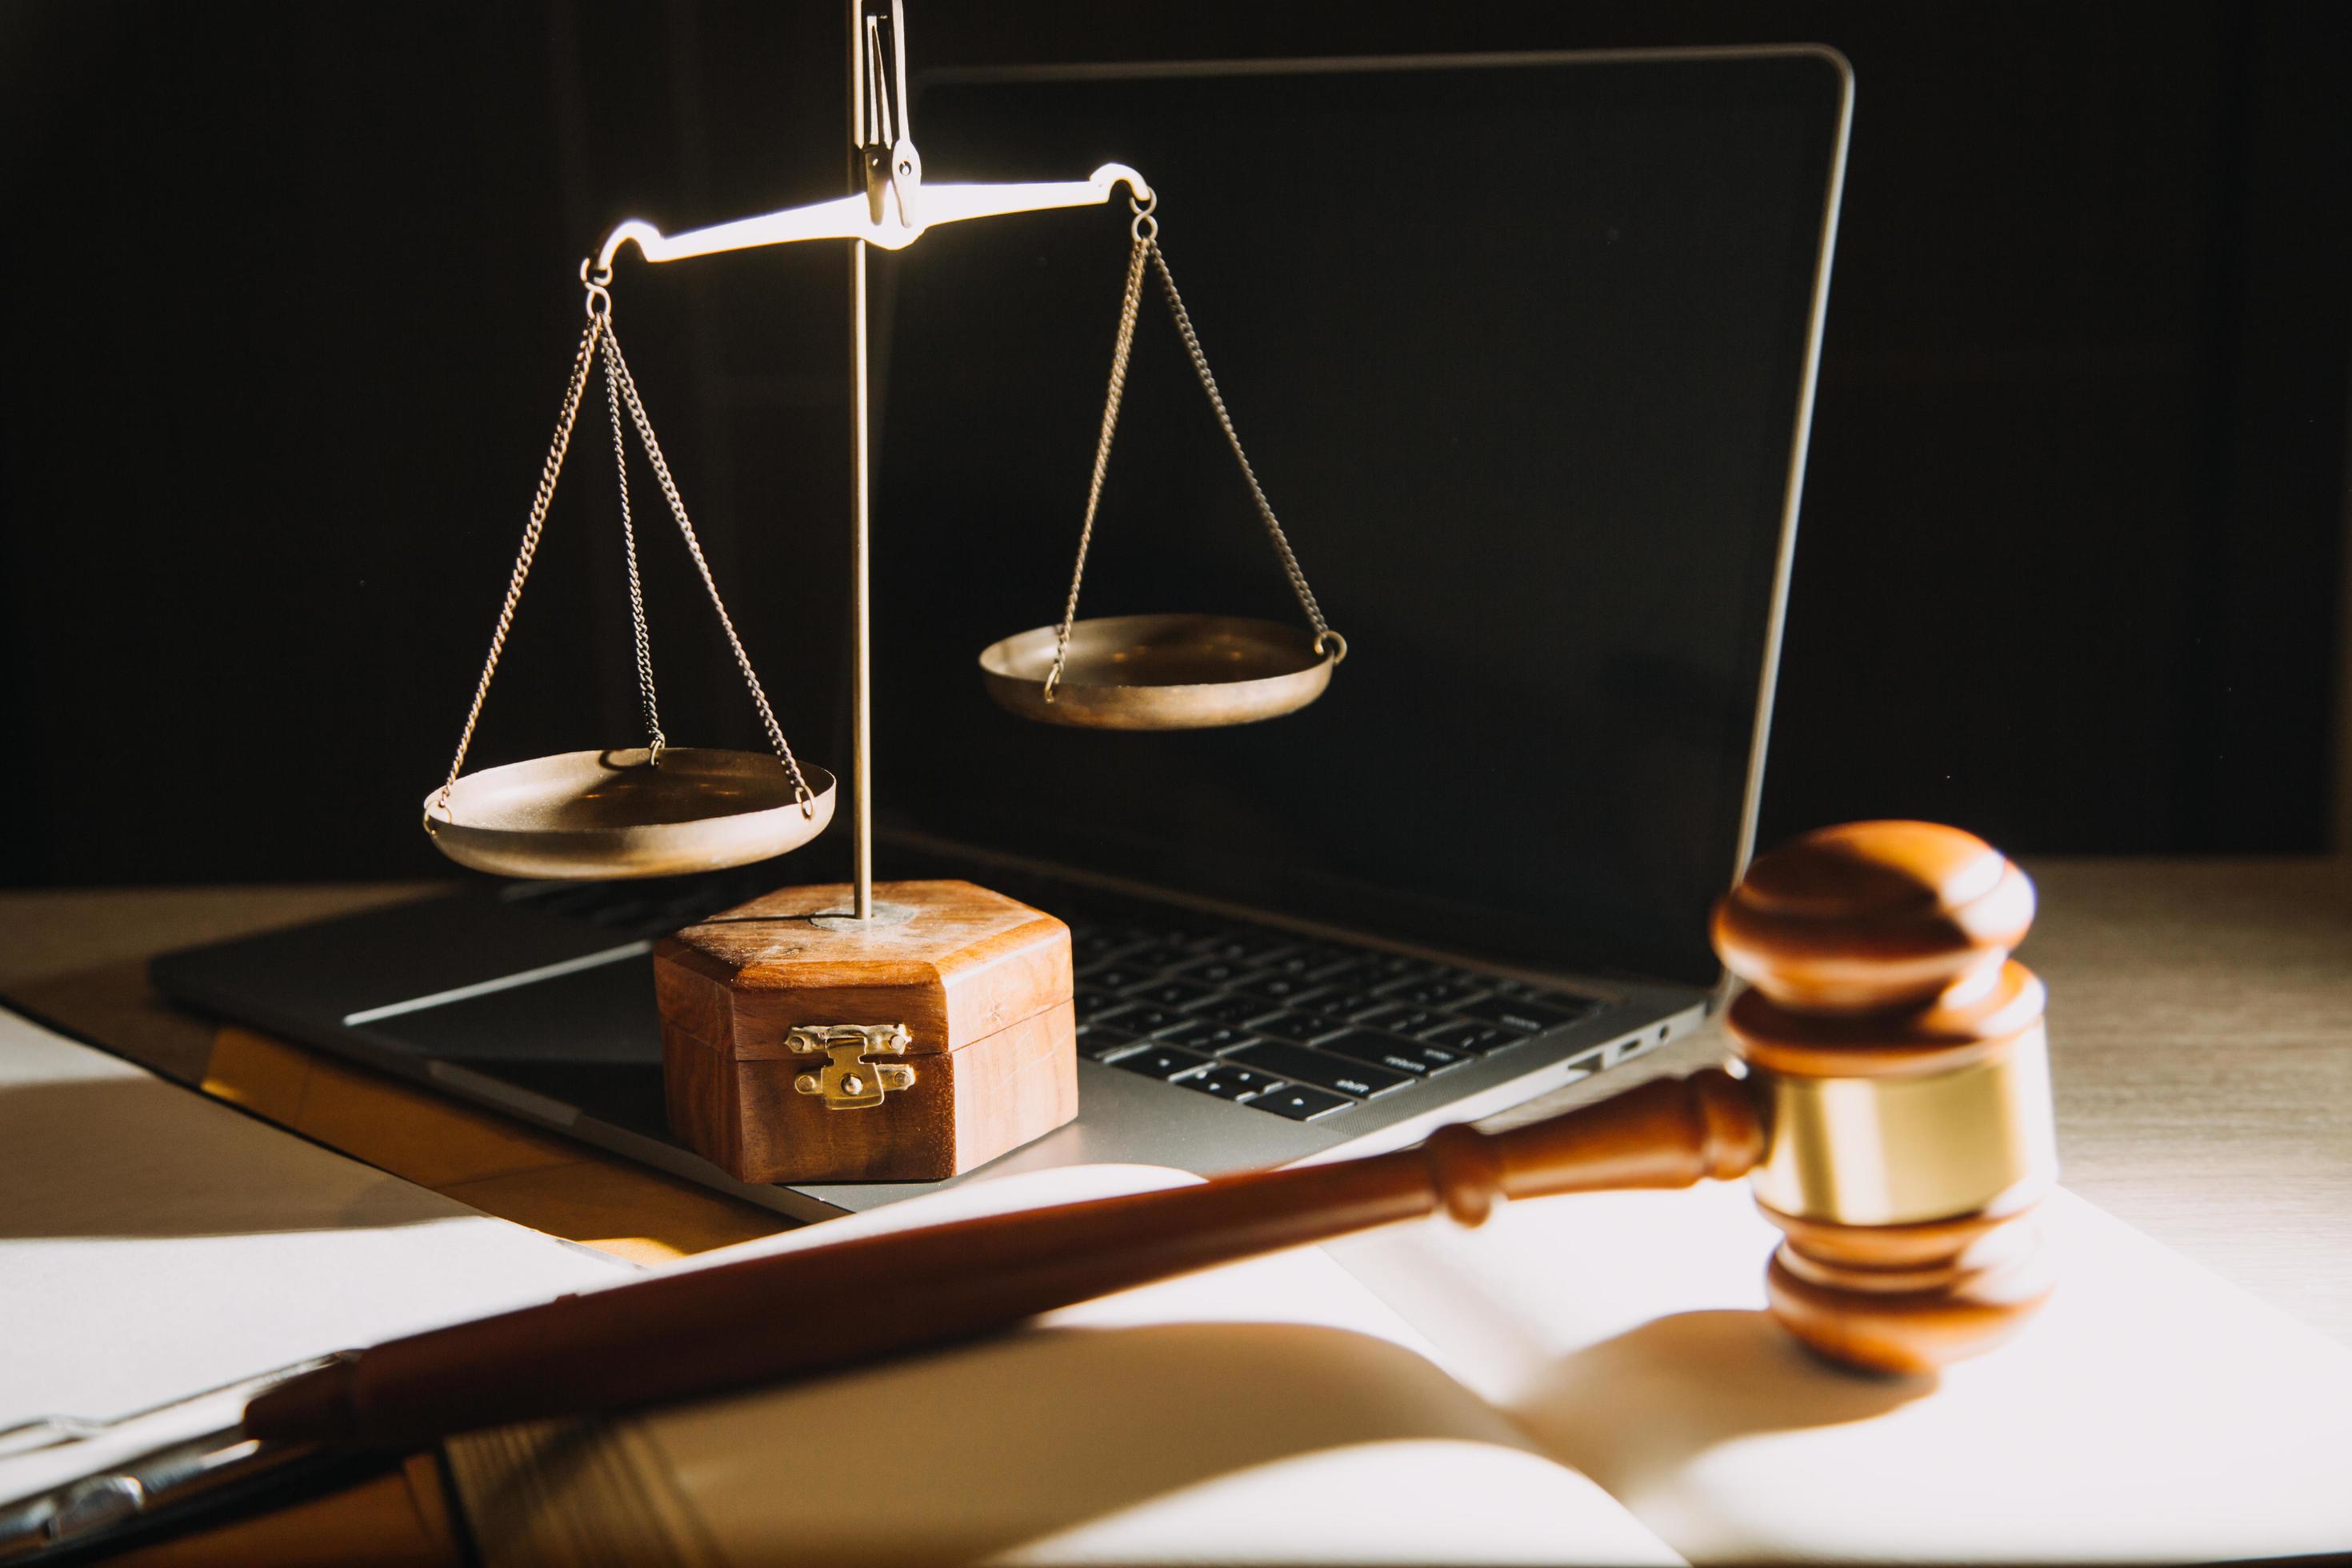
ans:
(2201, 1021)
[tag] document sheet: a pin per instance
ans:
(155, 1244)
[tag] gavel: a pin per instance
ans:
(1889, 1097)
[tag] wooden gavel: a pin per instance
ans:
(1893, 1106)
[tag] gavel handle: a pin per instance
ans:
(830, 1308)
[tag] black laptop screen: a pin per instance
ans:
(1517, 350)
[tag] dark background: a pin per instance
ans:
(287, 299)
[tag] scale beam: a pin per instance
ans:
(853, 217)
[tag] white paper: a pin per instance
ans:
(155, 1244)
(2151, 1412)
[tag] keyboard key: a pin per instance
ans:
(1246, 1037)
(1299, 1102)
(1431, 992)
(1478, 1037)
(1301, 961)
(1171, 994)
(1295, 1025)
(1227, 1081)
(1339, 1003)
(1207, 1036)
(1160, 955)
(1276, 986)
(1357, 974)
(1214, 971)
(1142, 1017)
(1228, 1009)
(1415, 1056)
(1159, 1061)
(1544, 995)
(1222, 944)
(1296, 1064)
(1406, 1020)
(1396, 966)
(1100, 1042)
(1091, 1003)
(1115, 976)
(1527, 1018)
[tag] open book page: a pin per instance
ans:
(1272, 1411)
(2151, 1413)
(155, 1245)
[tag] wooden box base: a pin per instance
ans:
(978, 983)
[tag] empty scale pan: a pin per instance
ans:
(618, 814)
(1162, 672)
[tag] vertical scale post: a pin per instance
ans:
(861, 695)
(861, 698)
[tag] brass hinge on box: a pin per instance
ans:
(848, 1081)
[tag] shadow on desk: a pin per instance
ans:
(106, 1157)
(1689, 1383)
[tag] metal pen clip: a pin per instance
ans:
(208, 1455)
(161, 1480)
(885, 144)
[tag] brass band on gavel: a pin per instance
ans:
(1959, 1124)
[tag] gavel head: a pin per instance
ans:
(1899, 1056)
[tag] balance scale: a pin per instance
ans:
(656, 811)
(836, 974)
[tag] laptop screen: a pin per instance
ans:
(1518, 350)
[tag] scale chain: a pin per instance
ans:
(657, 741)
(616, 362)
(619, 386)
(1146, 230)
(1120, 354)
(1323, 632)
(552, 469)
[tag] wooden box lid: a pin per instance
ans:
(953, 962)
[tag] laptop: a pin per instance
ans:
(1523, 350)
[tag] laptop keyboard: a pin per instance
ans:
(1303, 1028)
(1297, 1027)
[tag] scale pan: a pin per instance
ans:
(609, 813)
(1161, 672)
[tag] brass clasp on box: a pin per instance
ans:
(848, 1081)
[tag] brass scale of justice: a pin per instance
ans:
(658, 810)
